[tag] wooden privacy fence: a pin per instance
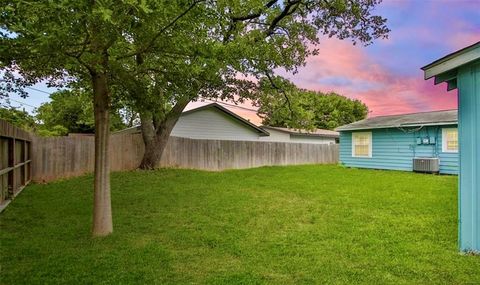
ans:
(63, 157)
(25, 157)
(15, 161)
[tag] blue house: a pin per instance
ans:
(426, 142)
(461, 71)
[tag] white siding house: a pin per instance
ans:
(212, 122)
(216, 122)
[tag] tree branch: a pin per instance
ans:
(194, 3)
(234, 20)
(274, 85)
(162, 30)
(172, 116)
(289, 9)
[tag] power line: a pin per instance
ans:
(38, 90)
(25, 104)
(218, 102)
(20, 102)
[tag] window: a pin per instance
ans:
(450, 140)
(362, 144)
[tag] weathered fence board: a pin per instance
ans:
(15, 161)
(64, 157)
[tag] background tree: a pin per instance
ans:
(306, 109)
(69, 111)
(72, 110)
(19, 118)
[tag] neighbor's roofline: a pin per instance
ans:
(228, 112)
(127, 129)
(434, 123)
(212, 105)
(302, 134)
(406, 114)
(452, 60)
(444, 123)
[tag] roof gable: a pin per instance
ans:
(215, 106)
(229, 113)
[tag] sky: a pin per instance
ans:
(385, 75)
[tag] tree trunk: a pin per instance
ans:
(155, 137)
(102, 210)
(155, 143)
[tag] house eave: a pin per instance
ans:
(450, 63)
(446, 123)
(302, 134)
(135, 129)
(315, 135)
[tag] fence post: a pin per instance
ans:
(24, 167)
(11, 163)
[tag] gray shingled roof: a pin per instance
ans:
(448, 117)
(314, 133)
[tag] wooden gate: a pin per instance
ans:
(15, 161)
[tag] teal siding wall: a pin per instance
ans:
(468, 82)
(394, 149)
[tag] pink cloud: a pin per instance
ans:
(362, 77)
(461, 40)
(349, 70)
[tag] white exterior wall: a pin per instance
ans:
(279, 136)
(212, 124)
(276, 136)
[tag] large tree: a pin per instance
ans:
(285, 105)
(180, 49)
(212, 45)
(65, 41)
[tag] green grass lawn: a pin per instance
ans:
(272, 225)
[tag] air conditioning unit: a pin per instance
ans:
(426, 164)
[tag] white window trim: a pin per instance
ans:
(444, 140)
(369, 134)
